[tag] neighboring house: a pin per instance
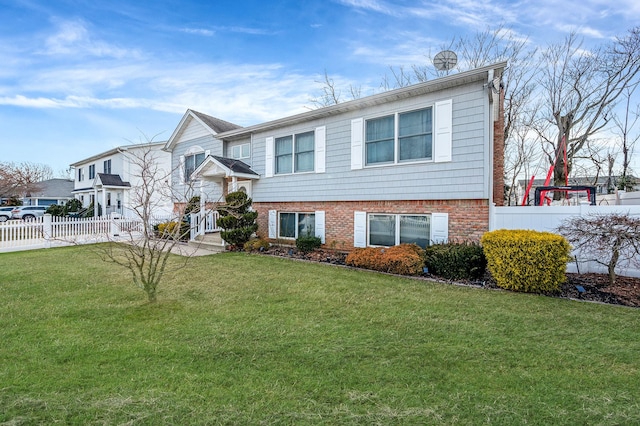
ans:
(418, 164)
(48, 192)
(112, 179)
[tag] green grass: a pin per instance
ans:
(249, 339)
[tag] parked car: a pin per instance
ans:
(28, 212)
(5, 213)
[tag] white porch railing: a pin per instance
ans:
(203, 222)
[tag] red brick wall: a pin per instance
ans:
(468, 219)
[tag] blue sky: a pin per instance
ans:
(78, 77)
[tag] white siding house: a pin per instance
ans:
(111, 180)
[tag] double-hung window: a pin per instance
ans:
(191, 163)
(241, 152)
(399, 137)
(295, 154)
(106, 167)
(80, 174)
(92, 171)
(284, 155)
(294, 225)
(393, 229)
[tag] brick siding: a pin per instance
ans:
(468, 219)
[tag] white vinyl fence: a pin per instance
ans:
(53, 231)
(548, 218)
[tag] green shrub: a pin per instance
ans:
(56, 210)
(403, 259)
(308, 244)
(237, 219)
(528, 261)
(170, 230)
(193, 205)
(456, 261)
(257, 244)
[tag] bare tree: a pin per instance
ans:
(581, 88)
(21, 179)
(145, 248)
(628, 135)
(521, 152)
(332, 95)
(605, 239)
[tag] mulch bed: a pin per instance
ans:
(596, 287)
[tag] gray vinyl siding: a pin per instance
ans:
(465, 177)
(183, 192)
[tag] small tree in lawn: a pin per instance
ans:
(144, 253)
(607, 239)
(237, 219)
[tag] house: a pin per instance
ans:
(112, 179)
(419, 164)
(48, 192)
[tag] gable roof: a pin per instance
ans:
(119, 149)
(212, 124)
(236, 166)
(215, 124)
(215, 166)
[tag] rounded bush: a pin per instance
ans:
(403, 259)
(527, 261)
(456, 260)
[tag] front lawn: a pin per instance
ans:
(250, 339)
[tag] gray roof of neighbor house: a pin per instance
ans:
(117, 150)
(112, 180)
(53, 188)
(236, 166)
(216, 124)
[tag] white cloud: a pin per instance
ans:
(73, 38)
(372, 5)
(199, 31)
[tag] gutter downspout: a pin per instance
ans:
(490, 76)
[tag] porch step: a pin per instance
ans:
(212, 242)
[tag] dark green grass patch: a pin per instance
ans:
(250, 339)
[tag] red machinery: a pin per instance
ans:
(543, 195)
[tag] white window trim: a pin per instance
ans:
(357, 141)
(442, 130)
(320, 146)
(270, 147)
(241, 157)
(191, 152)
(438, 232)
(274, 224)
(319, 153)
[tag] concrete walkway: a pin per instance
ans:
(184, 249)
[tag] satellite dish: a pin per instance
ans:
(445, 60)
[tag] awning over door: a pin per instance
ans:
(221, 167)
